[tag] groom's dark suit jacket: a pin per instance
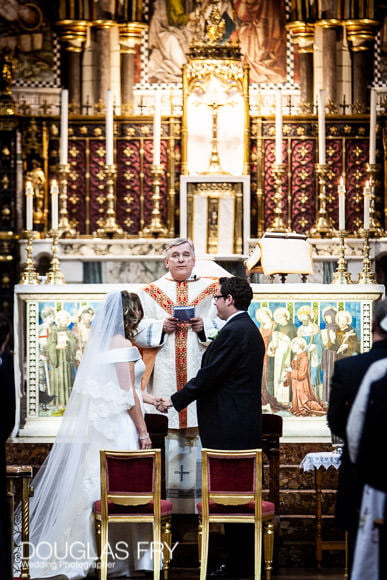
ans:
(227, 387)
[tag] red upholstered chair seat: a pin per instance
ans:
(131, 493)
(249, 508)
(232, 493)
(116, 509)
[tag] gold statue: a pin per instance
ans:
(38, 180)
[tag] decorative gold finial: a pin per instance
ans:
(30, 275)
(155, 228)
(342, 276)
(278, 224)
(323, 225)
(366, 275)
(54, 275)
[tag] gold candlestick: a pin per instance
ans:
(65, 230)
(54, 275)
(278, 224)
(110, 228)
(366, 275)
(30, 275)
(341, 276)
(375, 230)
(323, 225)
(155, 228)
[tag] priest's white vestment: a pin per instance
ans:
(179, 354)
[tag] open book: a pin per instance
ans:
(277, 253)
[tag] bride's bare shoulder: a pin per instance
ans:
(119, 341)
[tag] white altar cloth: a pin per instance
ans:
(321, 459)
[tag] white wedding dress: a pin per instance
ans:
(69, 546)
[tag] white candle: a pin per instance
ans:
(109, 127)
(29, 205)
(321, 127)
(54, 204)
(367, 199)
(64, 121)
(372, 146)
(278, 128)
(157, 129)
(341, 192)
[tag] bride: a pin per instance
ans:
(105, 411)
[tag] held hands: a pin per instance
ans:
(164, 405)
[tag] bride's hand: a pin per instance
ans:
(145, 441)
(164, 405)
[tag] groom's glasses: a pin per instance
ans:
(217, 296)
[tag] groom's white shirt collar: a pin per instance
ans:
(235, 314)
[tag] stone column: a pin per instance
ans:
(72, 35)
(130, 38)
(329, 62)
(361, 40)
(303, 37)
(103, 78)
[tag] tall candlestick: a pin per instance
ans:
(321, 127)
(157, 129)
(341, 192)
(367, 199)
(29, 205)
(278, 128)
(109, 127)
(54, 204)
(64, 120)
(372, 146)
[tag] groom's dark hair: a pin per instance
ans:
(239, 289)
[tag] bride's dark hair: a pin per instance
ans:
(131, 308)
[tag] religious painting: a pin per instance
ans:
(26, 34)
(304, 335)
(62, 328)
(53, 331)
(258, 25)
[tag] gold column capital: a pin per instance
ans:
(130, 36)
(329, 23)
(72, 34)
(303, 33)
(361, 33)
(104, 24)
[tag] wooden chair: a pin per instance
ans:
(232, 493)
(131, 493)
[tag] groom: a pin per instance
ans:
(227, 389)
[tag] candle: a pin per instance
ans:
(109, 127)
(54, 204)
(64, 112)
(157, 129)
(321, 127)
(367, 199)
(372, 146)
(341, 192)
(29, 205)
(278, 128)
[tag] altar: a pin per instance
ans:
(282, 312)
